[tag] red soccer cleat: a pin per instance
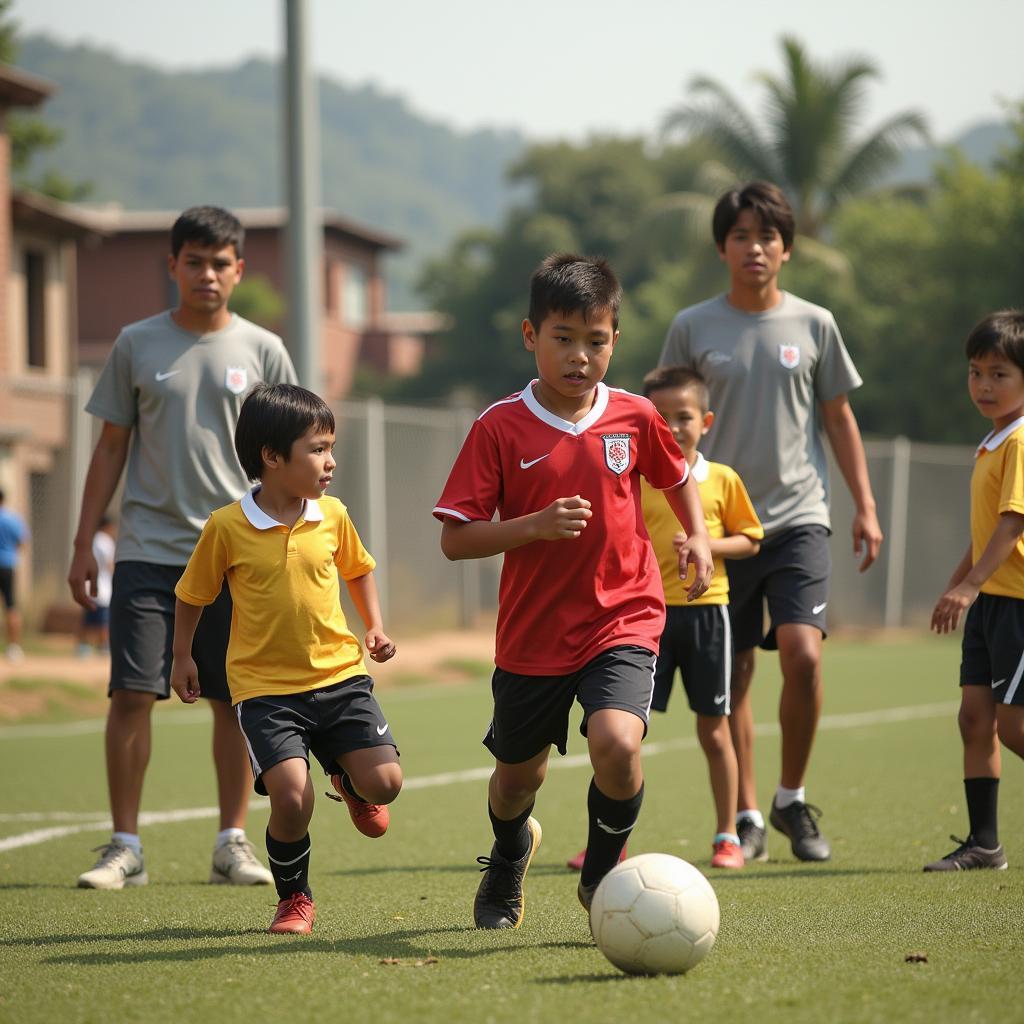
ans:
(295, 916)
(726, 855)
(576, 863)
(371, 819)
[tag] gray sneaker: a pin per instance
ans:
(118, 866)
(235, 863)
(799, 821)
(753, 840)
(968, 856)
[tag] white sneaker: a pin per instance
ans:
(235, 863)
(14, 652)
(118, 866)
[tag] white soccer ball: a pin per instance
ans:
(654, 914)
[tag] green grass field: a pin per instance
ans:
(797, 943)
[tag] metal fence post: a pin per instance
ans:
(376, 494)
(896, 542)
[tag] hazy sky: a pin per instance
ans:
(568, 67)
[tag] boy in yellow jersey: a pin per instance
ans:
(294, 668)
(988, 585)
(697, 638)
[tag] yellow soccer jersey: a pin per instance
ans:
(727, 511)
(997, 486)
(288, 632)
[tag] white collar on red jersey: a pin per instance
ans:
(538, 410)
(993, 441)
(700, 469)
(311, 511)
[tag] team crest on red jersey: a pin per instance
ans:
(616, 452)
(789, 356)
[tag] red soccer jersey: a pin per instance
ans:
(563, 602)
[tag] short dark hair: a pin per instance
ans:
(567, 283)
(769, 204)
(210, 226)
(1000, 333)
(275, 416)
(677, 377)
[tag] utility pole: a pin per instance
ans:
(302, 173)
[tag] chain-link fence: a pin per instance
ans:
(393, 461)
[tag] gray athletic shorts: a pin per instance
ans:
(698, 642)
(142, 633)
(993, 647)
(330, 721)
(532, 712)
(790, 573)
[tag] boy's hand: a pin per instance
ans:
(867, 537)
(696, 552)
(952, 605)
(185, 679)
(82, 577)
(563, 519)
(678, 541)
(378, 646)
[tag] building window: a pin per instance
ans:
(355, 303)
(35, 306)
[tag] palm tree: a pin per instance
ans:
(804, 141)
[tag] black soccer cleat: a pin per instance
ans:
(753, 840)
(969, 856)
(499, 900)
(585, 894)
(799, 822)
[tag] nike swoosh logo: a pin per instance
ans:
(998, 682)
(292, 878)
(163, 376)
(720, 699)
(614, 831)
(381, 729)
(819, 608)
(523, 464)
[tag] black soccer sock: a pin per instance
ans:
(289, 864)
(982, 802)
(611, 822)
(346, 784)
(511, 837)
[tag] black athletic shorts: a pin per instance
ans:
(790, 573)
(698, 642)
(330, 721)
(142, 633)
(993, 647)
(532, 712)
(7, 585)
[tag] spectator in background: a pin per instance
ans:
(13, 534)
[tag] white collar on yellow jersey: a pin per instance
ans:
(311, 512)
(993, 441)
(700, 469)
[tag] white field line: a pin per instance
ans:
(99, 821)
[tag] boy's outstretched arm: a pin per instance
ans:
(184, 673)
(695, 550)
(563, 519)
(363, 590)
(967, 579)
(844, 436)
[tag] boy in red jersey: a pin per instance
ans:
(579, 619)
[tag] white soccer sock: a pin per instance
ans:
(751, 815)
(784, 797)
(130, 839)
(228, 834)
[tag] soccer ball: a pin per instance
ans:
(654, 914)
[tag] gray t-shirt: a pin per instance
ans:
(181, 393)
(766, 372)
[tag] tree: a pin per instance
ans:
(807, 145)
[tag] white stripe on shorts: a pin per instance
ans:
(257, 771)
(728, 657)
(1011, 690)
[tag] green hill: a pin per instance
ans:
(153, 139)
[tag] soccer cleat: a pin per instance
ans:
(295, 916)
(753, 840)
(799, 822)
(726, 854)
(585, 894)
(576, 863)
(371, 819)
(235, 863)
(499, 899)
(118, 866)
(968, 856)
